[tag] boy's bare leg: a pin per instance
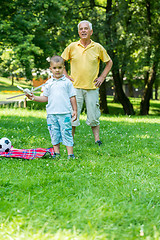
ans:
(57, 148)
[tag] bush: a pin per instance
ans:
(36, 105)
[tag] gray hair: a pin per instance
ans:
(85, 21)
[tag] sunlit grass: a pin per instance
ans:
(111, 192)
(117, 109)
(6, 90)
(6, 84)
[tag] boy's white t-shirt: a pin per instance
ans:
(59, 91)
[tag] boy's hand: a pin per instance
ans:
(31, 97)
(74, 116)
(27, 91)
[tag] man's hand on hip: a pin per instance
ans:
(98, 81)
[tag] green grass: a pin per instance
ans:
(114, 108)
(111, 192)
(6, 84)
(117, 109)
(7, 90)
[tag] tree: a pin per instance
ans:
(9, 65)
(152, 53)
(31, 29)
(113, 24)
(144, 107)
(128, 30)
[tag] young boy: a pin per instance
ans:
(60, 95)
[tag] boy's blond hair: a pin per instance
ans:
(56, 59)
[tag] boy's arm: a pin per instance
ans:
(74, 107)
(37, 98)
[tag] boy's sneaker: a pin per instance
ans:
(71, 156)
(56, 155)
(98, 142)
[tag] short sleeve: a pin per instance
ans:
(66, 53)
(103, 55)
(72, 91)
(46, 91)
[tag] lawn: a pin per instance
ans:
(107, 192)
(6, 90)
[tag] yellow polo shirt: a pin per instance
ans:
(85, 63)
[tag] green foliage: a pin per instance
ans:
(111, 192)
(30, 29)
(6, 90)
(129, 30)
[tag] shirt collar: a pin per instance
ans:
(60, 79)
(90, 45)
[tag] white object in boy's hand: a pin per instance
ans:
(26, 90)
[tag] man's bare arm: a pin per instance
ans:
(98, 81)
(66, 74)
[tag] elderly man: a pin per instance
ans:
(85, 56)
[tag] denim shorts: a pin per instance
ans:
(60, 129)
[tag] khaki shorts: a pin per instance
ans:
(91, 98)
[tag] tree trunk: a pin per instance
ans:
(156, 91)
(103, 99)
(145, 102)
(12, 79)
(122, 98)
(149, 79)
(110, 32)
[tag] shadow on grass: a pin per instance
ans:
(115, 110)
